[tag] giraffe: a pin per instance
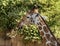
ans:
(33, 17)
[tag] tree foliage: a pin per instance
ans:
(30, 33)
(11, 12)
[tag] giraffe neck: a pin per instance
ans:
(47, 36)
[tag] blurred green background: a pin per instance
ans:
(11, 12)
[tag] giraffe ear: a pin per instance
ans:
(45, 17)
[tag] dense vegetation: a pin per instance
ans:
(11, 12)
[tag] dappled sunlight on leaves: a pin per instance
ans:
(29, 32)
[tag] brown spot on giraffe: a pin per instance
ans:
(45, 29)
(47, 44)
(42, 33)
(53, 39)
(39, 27)
(50, 44)
(48, 36)
(44, 39)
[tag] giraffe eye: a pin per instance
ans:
(27, 17)
(20, 27)
(37, 15)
